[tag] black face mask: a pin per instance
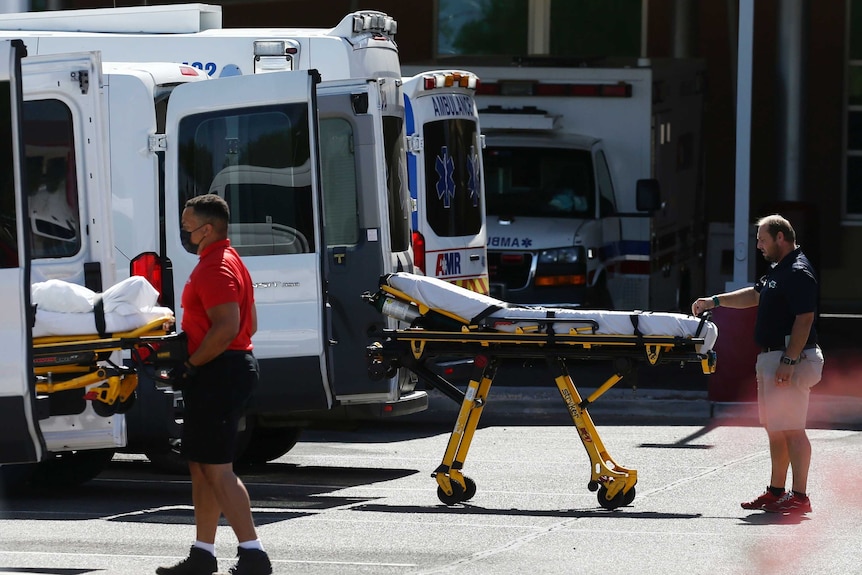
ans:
(186, 239)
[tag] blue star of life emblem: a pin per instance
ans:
(445, 168)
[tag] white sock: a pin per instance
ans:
(253, 544)
(207, 546)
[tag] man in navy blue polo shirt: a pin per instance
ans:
(790, 362)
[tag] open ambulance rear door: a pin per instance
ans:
(21, 440)
(253, 141)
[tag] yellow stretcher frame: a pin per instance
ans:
(412, 348)
(62, 363)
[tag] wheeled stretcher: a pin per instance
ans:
(446, 321)
(75, 350)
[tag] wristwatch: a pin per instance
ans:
(787, 361)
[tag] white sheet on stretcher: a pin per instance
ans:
(64, 308)
(440, 295)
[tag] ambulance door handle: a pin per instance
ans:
(474, 257)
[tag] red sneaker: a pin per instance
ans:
(763, 499)
(789, 503)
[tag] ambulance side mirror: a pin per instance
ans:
(647, 195)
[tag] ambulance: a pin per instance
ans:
(317, 191)
(444, 167)
(594, 181)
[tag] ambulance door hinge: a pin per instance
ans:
(157, 143)
(415, 143)
(83, 79)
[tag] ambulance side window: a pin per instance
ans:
(51, 181)
(258, 160)
(338, 167)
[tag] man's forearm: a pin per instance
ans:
(799, 335)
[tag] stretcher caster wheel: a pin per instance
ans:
(125, 406)
(593, 485)
(456, 497)
(617, 500)
(630, 496)
(105, 410)
(469, 490)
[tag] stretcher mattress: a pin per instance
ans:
(488, 312)
(64, 308)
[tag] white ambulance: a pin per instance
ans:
(316, 231)
(444, 167)
(594, 182)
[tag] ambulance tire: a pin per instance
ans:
(169, 459)
(268, 444)
(15, 478)
(61, 472)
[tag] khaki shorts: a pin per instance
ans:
(786, 408)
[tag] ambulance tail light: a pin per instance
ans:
(530, 88)
(149, 266)
(419, 251)
(449, 79)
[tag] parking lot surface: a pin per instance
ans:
(363, 501)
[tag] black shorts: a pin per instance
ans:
(215, 400)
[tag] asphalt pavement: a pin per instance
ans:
(363, 502)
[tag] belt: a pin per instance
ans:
(768, 349)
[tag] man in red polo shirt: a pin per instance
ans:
(219, 318)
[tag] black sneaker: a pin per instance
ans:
(199, 562)
(250, 562)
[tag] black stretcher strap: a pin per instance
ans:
(491, 309)
(635, 317)
(99, 316)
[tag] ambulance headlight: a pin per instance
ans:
(561, 256)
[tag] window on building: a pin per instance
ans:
(853, 158)
(481, 27)
(610, 28)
